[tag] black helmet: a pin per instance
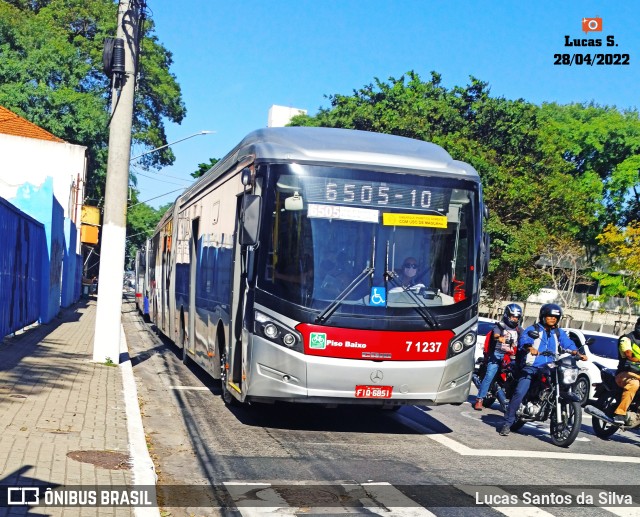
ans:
(550, 309)
(511, 310)
(636, 331)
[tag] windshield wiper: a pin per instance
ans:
(331, 308)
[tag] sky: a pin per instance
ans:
(234, 59)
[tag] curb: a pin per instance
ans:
(142, 468)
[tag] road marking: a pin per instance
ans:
(265, 496)
(538, 426)
(388, 500)
(189, 388)
(463, 450)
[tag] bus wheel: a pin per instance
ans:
(227, 397)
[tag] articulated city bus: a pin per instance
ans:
(282, 273)
(142, 281)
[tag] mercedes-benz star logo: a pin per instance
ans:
(376, 376)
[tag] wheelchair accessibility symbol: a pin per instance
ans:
(378, 297)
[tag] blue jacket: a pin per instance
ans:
(548, 341)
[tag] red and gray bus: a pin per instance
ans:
(279, 271)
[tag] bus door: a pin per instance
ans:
(189, 342)
(247, 226)
(238, 299)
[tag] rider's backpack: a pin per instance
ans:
(488, 345)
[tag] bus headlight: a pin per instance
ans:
(277, 332)
(270, 330)
(457, 347)
(469, 339)
(289, 340)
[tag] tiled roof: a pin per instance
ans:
(12, 124)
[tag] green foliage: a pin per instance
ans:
(203, 168)
(600, 143)
(622, 254)
(51, 74)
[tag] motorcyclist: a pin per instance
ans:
(504, 339)
(530, 358)
(628, 374)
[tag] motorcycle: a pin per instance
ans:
(551, 397)
(608, 395)
(503, 383)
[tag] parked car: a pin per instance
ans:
(603, 349)
(484, 326)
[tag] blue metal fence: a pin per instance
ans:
(22, 249)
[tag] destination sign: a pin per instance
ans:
(375, 194)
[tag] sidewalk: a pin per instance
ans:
(62, 417)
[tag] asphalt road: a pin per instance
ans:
(286, 459)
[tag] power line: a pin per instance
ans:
(161, 181)
(161, 195)
(137, 171)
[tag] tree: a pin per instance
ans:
(203, 168)
(51, 74)
(563, 264)
(602, 144)
(622, 247)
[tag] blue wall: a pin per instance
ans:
(71, 270)
(40, 203)
(22, 256)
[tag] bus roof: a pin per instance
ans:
(333, 145)
(323, 145)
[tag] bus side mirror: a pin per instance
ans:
(250, 220)
(484, 257)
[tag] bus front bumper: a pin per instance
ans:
(277, 373)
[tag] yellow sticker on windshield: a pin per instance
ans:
(427, 221)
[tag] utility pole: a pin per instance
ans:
(106, 342)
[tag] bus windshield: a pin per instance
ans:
(369, 241)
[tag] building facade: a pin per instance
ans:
(44, 177)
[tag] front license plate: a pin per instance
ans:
(373, 392)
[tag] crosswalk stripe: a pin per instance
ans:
(240, 492)
(189, 388)
(393, 502)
